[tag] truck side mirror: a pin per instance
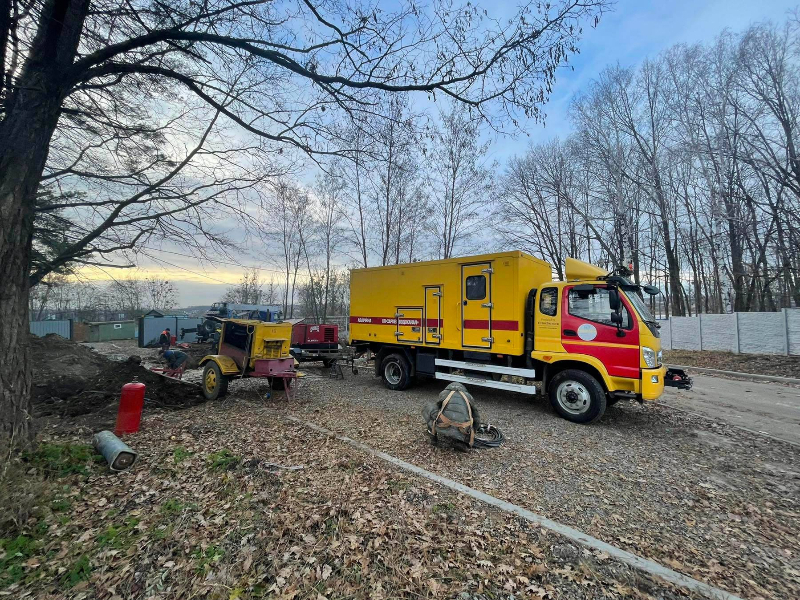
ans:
(651, 290)
(615, 303)
(613, 299)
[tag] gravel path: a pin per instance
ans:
(705, 499)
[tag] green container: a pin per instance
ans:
(107, 331)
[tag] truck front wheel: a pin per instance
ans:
(396, 372)
(577, 396)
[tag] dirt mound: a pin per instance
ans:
(71, 380)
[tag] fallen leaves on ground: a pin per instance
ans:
(211, 510)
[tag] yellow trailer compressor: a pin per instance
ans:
(500, 321)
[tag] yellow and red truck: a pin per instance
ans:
(501, 321)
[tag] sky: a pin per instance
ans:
(632, 31)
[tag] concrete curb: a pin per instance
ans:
(771, 378)
(648, 566)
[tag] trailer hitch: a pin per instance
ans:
(677, 378)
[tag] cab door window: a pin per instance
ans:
(548, 301)
(593, 305)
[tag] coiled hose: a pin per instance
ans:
(488, 436)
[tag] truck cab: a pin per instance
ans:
(594, 344)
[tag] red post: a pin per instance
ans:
(131, 403)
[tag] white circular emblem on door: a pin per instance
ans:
(587, 332)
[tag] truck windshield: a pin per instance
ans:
(640, 307)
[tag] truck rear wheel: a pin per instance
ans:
(396, 372)
(577, 396)
(215, 384)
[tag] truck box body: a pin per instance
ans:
(475, 304)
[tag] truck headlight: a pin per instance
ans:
(649, 356)
(660, 357)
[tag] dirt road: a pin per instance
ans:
(766, 407)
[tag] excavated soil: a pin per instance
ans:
(71, 380)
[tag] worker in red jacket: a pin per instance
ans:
(165, 340)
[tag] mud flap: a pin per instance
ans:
(677, 378)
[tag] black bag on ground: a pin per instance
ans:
(453, 416)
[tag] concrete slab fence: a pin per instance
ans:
(746, 333)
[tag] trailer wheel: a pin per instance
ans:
(395, 372)
(215, 384)
(577, 396)
(327, 362)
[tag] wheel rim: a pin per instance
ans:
(211, 380)
(393, 373)
(573, 397)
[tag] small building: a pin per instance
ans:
(106, 331)
(153, 313)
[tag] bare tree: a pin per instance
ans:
(126, 296)
(684, 166)
(330, 194)
(460, 179)
(161, 294)
(249, 290)
(357, 204)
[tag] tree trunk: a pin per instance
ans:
(32, 113)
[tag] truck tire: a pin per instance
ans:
(215, 384)
(395, 372)
(577, 396)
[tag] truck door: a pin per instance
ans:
(476, 305)
(587, 329)
(409, 324)
(433, 315)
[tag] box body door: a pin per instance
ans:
(433, 315)
(476, 305)
(409, 324)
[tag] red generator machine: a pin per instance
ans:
(315, 343)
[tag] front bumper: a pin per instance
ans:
(653, 382)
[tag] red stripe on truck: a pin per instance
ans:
(496, 325)
(468, 324)
(389, 321)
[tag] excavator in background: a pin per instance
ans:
(219, 311)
